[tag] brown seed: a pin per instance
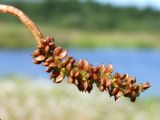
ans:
(108, 82)
(53, 64)
(131, 88)
(109, 68)
(119, 94)
(63, 54)
(43, 41)
(133, 94)
(57, 51)
(45, 64)
(46, 49)
(41, 46)
(54, 74)
(133, 99)
(125, 76)
(89, 88)
(76, 74)
(119, 82)
(48, 69)
(68, 67)
(80, 64)
(95, 76)
(103, 68)
(124, 84)
(115, 91)
(107, 89)
(102, 81)
(59, 79)
(48, 39)
(117, 75)
(51, 44)
(85, 85)
(76, 82)
(37, 62)
(67, 59)
(95, 69)
(136, 87)
(101, 88)
(65, 62)
(145, 86)
(110, 92)
(90, 75)
(133, 80)
(40, 58)
(127, 93)
(86, 76)
(72, 61)
(129, 80)
(79, 86)
(72, 72)
(36, 53)
(50, 59)
(86, 65)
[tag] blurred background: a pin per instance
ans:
(124, 33)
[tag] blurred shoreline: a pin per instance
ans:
(22, 99)
(16, 36)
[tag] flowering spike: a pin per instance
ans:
(46, 49)
(84, 75)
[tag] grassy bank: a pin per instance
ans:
(28, 100)
(17, 36)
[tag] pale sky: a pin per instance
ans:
(138, 3)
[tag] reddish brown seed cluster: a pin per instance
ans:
(83, 74)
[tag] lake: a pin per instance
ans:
(143, 64)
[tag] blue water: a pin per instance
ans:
(143, 64)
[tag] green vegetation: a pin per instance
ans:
(88, 15)
(30, 100)
(17, 36)
(84, 24)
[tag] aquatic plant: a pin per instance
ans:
(78, 72)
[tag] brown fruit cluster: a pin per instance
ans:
(83, 74)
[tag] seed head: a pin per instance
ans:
(82, 74)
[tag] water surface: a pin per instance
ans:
(144, 64)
